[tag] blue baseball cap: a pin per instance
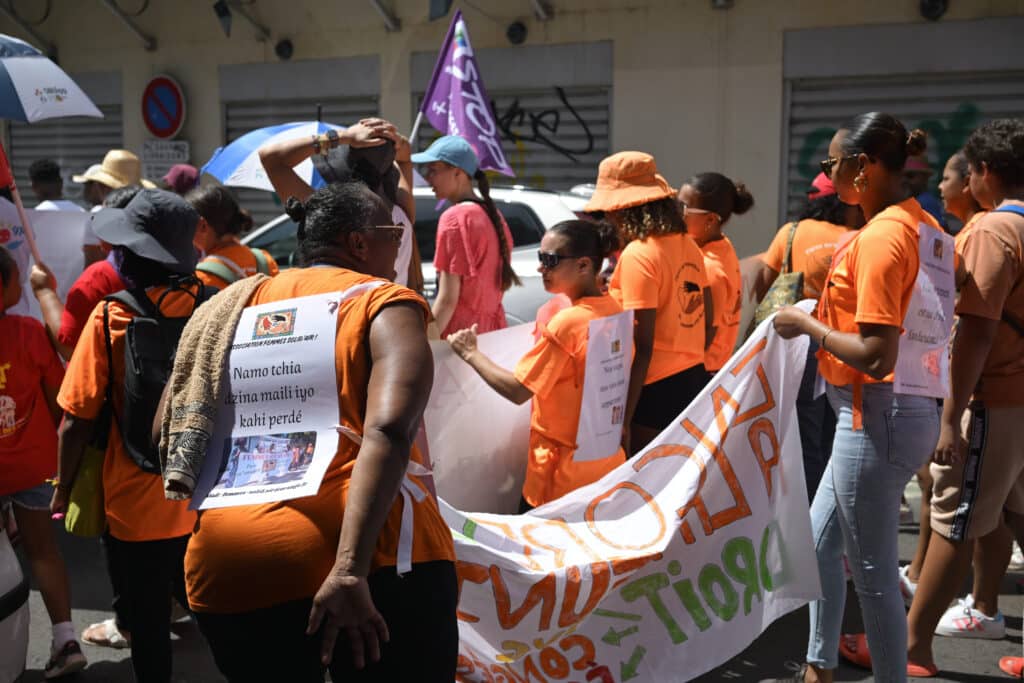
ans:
(450, 149)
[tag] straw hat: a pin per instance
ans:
(118, 169)
(628, 179)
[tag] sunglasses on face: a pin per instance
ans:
(691, 211)
(550, 260)
(392, 233)
(828, 163)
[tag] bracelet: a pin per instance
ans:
(824, 337)
(316, 144)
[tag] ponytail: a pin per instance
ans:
(508, 276)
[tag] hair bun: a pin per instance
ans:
(295, 209)
(917, 142)
(744, 200)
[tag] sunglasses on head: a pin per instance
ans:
(828, 163)
(550, 260)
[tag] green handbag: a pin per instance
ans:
(85, 515)
(788, 287)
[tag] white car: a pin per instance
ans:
(528, 213)
(14, 591)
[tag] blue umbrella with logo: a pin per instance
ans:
(33, 88)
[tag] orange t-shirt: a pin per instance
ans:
(254, 556)
(133, 500)
(665, 273)
(813, 246)
(237, 258)
(960, 237)
(872, 282)
(553, 370)
(723, 270)
(993, 255)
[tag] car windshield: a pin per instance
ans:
(527, 229)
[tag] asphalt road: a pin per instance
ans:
(775, 655)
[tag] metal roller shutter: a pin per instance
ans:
(553, 138)
(75, 143)
(242, 117)
(947, 106)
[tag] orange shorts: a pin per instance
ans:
(968, 498)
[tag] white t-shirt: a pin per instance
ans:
(90, 238)
(405, 248)
(59, 205)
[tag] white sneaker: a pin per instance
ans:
(907, 587)
(963, 621)
(1016, 559)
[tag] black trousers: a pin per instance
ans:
(661, 402)
(145, 575)
(271, 644)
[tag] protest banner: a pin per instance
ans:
(478, 439)
(666, 567)
(277, 426)
(922, 367)
(59, 237)
(456, 101)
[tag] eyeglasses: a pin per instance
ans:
(827, 164)
(549, 260)
(393, 233)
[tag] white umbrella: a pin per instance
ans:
(33, 88)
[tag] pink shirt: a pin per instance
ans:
(467, 246)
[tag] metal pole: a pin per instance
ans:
(264, 32)
(48, 47)
(415, 129)
(148, 42)
(541, 10)
(391, 22)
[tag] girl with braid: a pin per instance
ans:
(474, 244)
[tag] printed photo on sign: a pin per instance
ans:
(265, 460)
(275, 324)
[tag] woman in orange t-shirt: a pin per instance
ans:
(882, 437)
(221, 222)
(297, 574)
(824, 222)
(709, 200)
(571, 254)
(660, 276)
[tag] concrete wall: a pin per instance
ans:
(699, 88)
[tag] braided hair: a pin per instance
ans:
(508, 276)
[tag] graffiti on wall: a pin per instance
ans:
(519, 124)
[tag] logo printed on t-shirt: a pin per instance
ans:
(691, 298)
(8, 415)
(4, 367)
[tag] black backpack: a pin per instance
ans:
(151, 342)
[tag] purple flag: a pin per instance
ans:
(456, 101)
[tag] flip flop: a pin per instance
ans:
(854, 649)
(105, 634)
(1012, 666)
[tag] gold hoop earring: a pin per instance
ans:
(860, 182)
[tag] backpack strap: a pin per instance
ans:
(135, 299)
(787, 258)
(1012, 208)
(262, 265)
(110, 352)
(217, 268)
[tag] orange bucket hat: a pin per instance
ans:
(628, 179)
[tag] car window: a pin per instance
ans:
(280, 241)
(523, 222)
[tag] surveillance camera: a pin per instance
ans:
(284, 49)
(516, 33)
(932, 10)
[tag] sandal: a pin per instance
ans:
(854, 649)
(105, 634)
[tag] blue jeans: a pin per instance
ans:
(856, 512)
